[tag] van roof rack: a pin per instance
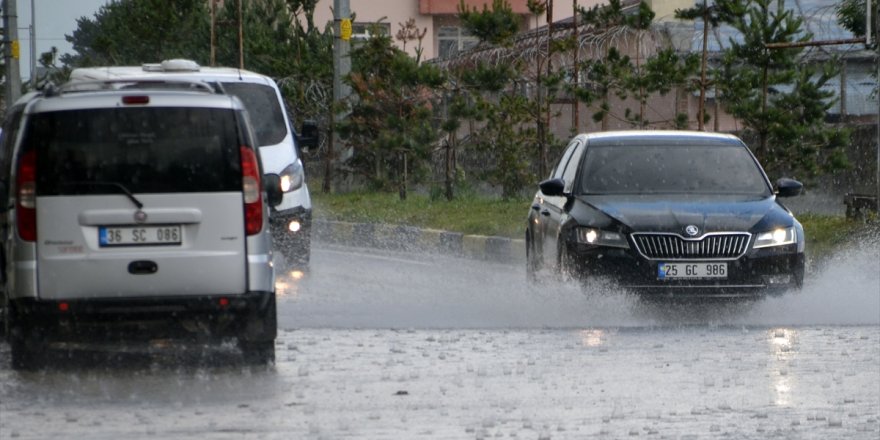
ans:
(172, 65)
(133, 84)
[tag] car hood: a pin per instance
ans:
(709, 214)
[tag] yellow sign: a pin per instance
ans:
(16, 49)
(345, 29)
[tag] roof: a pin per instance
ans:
(663, 136)
(224, 74)
(72, 97)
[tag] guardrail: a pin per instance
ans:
(859, 205)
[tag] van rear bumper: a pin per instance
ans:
(213, 317)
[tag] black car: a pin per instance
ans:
(668, 212)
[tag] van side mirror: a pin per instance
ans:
(308, 136)
(272, 185)
(786, 187)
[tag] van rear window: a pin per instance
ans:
(147, 150)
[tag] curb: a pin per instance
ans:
(412, 239)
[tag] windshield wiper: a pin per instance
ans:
(116, 185)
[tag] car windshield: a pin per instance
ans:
(671, 169)
(147, 150)
(262, 104)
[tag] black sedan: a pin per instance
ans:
(666, 212)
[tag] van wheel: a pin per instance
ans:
(23, 357)
(257, 344)
(26, 347)
(258, 352)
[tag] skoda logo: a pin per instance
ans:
(691, 230)
(140, 216)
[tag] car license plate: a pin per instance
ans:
(691, 270)
(109, 236)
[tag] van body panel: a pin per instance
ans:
(208, 259)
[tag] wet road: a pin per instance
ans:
(390, 346)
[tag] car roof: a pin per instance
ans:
(72, 96)
(659, 137)
(220, 74)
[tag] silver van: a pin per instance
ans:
(136, 211)
(291, 220)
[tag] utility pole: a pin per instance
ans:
(240, 37)
(341, 69)
(577, 68)
(33, 35)
(11, 51)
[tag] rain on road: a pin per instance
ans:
(381, 345)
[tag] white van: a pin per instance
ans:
(136, 211)
(279, 145)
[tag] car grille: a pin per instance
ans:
(675, 247)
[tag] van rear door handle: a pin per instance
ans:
(545, 213)
(142, 267)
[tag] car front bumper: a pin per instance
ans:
(759, 271)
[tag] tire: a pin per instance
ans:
(26, 346)
(258, 352)
(257, 344)
(532, 261)
(297, 251)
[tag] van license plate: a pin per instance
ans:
(691, 270)
(109, 236)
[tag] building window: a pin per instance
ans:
(454, 39)
(364, 31)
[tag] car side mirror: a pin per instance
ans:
(786, 187)
(272, 184)
(553, 187)
(308, 136)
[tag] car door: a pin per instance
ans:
(553, 207)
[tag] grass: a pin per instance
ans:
(825, 233)
(487, 216)
(469, 215)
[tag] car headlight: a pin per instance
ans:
(292, 177)
(776, 237)
(598, 237)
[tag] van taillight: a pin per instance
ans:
(26, 198)
(135, 100)
(251, 187)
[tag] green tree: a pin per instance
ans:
(777, 95)
(505, 115)
(510, 122)
(495, 26)
(712, 16)
(131, 32)
(616, 74)
(851, 15)
(280, 40)
(391, 121)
